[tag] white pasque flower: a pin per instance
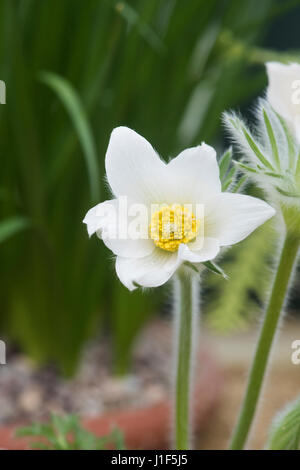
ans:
(283, 92)
(189, 181)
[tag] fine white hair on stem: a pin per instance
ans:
(283, 279)
(277, 249)
(194, 281)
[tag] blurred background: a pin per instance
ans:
(74, 70)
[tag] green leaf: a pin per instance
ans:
(191, 266)
(71, 100)
(229, 179)
(239, 184)
(236, 122)
(215, 269)
(36, 429)
(117, 437)
(224, 162)
(298, 166)
(289, 138)
(274, 175)
(287, 193)
(133, 18)
(256, 150)
(64, 432)
(12, 226)
(271, 137)
(285, 429)
(245, 167)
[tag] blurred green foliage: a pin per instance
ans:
(66, 433)
(284, 432)
(74, 70)
(248, 266)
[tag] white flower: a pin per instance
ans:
(283, 92)
(189, 181)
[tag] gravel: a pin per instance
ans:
(30, 393)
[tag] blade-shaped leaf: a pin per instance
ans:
(252, 144)
(224, 162)
(274, 175)
(289, 138)
(287, 193)
(298, 166)
(229, 179)
(215, 269)
(11, 226)
(191, 266)
(70, 99)
(239, 184)
(271, 136)
(245, 167)
(133, 18)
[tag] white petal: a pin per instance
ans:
(133, 168)
(150, 271)
(105, 221)
(284, 91)
(194, 175)
(130, 248)
(232, 217)
(100, 216)
(200, 250)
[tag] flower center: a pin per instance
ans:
(173, 225)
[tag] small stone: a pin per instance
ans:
(155, 393)
(30, 399)
(117, 390)
(7, 409)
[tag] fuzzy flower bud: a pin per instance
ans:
(271, 149)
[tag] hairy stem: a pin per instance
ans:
(186, 306)
(279, 292)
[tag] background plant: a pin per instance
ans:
(73, 74)
(284, 433)
(66, 433)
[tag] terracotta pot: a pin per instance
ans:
(146, 428)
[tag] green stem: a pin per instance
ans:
(279, 291)
(185, 306)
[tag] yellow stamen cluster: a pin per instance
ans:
(172, 225)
